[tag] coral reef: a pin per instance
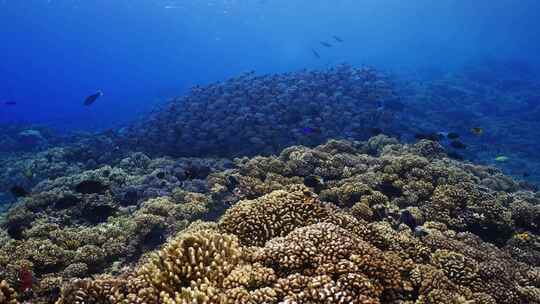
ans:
(325, 262)
(389, 225)
(100, 220)
(373, 221)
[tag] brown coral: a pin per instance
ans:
(276, 214)
(190, 264)
(364, 239)
(7, 294)
(324, 260)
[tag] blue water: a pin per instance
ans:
(141, 52)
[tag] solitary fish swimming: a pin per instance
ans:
(326, 44)
(315, 53)
(92, 98)
(502, 158)
(477, 131)
(338, 39)
(18, 191)
(457, 144)
(452, 135)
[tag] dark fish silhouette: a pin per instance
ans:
(455, 155)
(315, 182)
(395, 106)
(428, 136)
(326, 44)
(420, 232)
(375, 131)
(315, 53)
(91, 186)
(457, 144)
(336, 38)
(452, 135)
(311, 131)
(10, 103)
(18, 191)
(92, 98)
(407, 218)
(477, 131)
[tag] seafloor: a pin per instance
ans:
(274, 189)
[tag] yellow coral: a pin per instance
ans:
(7, 294)
(193, 261)
(276, 214)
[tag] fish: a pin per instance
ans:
(10, 103)
(310, 130)
(326, 44)
(336, 38)
(420, 232)
(375, 131)
(395, 106)
(232, 182)
(18, 191)
(428, 136)
(455, 156)
(314, 181)
(526, 174)
(92, 98)
(315, 53)
(502, 158)
(90, 187)
(452, 135)
(477, 131)
(407, 218)
(456, 144)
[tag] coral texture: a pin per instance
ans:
(343, 222)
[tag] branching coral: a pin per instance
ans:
(327, 263)
(190, 264)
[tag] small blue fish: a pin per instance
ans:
(311, 131)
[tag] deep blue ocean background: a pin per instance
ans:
(141, 52)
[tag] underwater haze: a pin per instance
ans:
(270, 151)
(142, 52)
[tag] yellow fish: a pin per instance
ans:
(477, 131)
